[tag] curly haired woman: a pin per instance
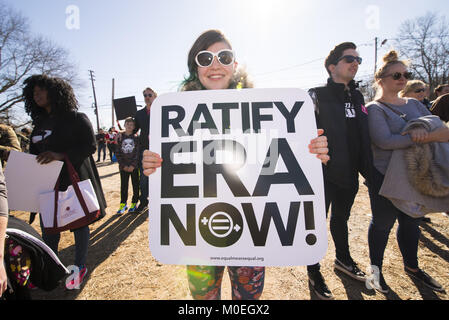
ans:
(59, 130)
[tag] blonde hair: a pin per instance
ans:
(411, 86)
(389, 60)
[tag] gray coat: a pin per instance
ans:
(417, 177)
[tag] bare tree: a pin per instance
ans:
(366, 87)
(425, 41)
(23, 54)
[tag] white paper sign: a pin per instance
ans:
(26, 179)
(237, 185)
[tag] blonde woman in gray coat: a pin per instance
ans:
(387, 116)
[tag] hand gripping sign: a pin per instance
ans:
(237, 185)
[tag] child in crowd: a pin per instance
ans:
(127, 156)
(111, 142)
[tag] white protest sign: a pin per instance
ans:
(26, 179)
(237, 185)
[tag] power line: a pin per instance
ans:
(420, 38)
(287, 68)
(303, 64)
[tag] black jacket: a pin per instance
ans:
(143, 123)
(73, 135)
(330, 114)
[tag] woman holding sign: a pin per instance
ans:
(59, 130)
(212, 66)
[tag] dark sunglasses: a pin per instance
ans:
(148, 95)
(206, 58)
(398, 75)
(351, 59)
(420, 90)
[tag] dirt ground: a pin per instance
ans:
(121, 266)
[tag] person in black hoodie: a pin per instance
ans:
(340, 111)
(60, 130)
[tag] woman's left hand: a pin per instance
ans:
(318, 146)
(49, 156)
(418, 135)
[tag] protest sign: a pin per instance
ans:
(125, 107)
(237, 185)
(26, 179)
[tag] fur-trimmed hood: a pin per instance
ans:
(417, 178)
(424, 174)
(427, 166)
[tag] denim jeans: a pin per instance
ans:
(101, 147)
(81, 243)
(111, 148)
(383, 219)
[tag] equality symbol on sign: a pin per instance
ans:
(221, 225)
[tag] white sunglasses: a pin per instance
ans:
(205, 58)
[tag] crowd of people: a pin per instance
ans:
(106, 140)
(126, 148)
(360, 140)
(354, 138)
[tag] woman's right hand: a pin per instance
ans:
(48, 156)
(150, 162)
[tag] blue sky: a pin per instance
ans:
(143, 43)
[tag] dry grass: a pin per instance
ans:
(121, 266)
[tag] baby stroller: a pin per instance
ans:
(29, 262)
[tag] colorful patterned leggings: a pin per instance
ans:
(205, 282)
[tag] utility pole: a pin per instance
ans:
(112, 104)
(376, 48)
(375, 55)
(95, 99)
